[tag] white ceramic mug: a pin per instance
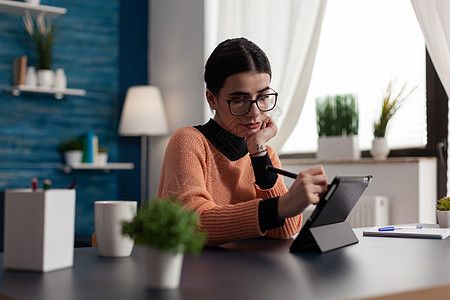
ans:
(109, 216)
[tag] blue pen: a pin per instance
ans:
(392, 228)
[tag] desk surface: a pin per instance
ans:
(250, 269)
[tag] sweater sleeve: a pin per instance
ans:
(291, 225)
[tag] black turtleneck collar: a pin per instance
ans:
(230, 145)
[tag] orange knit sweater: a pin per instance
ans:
(223, 192)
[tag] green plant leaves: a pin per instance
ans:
(167, 226)
(337, 115)
(443, 204)
(390, 105)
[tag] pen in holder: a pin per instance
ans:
(39, 229)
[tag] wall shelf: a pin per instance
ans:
(102, 167)
(19, 8)
(58, 93)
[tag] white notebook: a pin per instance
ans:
(408, 232)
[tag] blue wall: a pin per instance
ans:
(33, 126)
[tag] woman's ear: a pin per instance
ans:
(211, 98)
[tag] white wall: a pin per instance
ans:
(176, 56)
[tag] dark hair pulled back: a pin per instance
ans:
(234, 56)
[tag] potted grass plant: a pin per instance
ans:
(443, 212)
(167, 231)
(391, 103)
(337, 126)
(41, 39)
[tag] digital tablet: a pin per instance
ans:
(326, 228)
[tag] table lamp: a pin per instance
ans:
(143, 115)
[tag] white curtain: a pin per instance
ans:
(434, 20)
(288, 31)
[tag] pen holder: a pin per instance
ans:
(39, 229)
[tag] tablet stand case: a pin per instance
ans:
(326, 229)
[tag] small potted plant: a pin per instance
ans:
(102, 155)
(443, 212)
(337, 126)
(167, 231)
(41, 38)
(72, 150)
(390, 105)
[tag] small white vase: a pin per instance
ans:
(46, 78)
(73, 157)
(163, 269)
(60, 79)
(31, 77)
(380, 149)
(443, 218)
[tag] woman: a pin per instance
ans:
(218, 168)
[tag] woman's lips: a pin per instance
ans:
(252, 125)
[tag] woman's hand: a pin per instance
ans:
(257, 141)
(307, 189)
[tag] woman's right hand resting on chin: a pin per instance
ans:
(307, 189)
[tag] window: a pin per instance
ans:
(364, 45)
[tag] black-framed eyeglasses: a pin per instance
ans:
(242, 106)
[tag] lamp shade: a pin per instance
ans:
(143, 112)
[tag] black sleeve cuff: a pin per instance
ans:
(263, 178)
(268, 214)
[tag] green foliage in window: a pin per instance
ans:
(337, 115)
(390, 105)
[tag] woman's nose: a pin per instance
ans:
(254, 110)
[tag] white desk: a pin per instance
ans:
(409, 183)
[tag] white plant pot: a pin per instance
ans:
(163, 269)
(102, 158)
(34, 2)
(443, 218)
(46, 78)
(73, 157)
(338, 148)
(380, 149)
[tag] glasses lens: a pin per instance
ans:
(267, 102)
(242, 106)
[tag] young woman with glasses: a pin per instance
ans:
(219, 168)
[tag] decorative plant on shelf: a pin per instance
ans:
(72, 150)
(337, 127)
(337, 115)
(71, 145)
(167, 230)
(390, 105)
(42, 37)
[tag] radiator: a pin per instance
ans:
(370, 211)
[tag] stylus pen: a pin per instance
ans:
(392, 228)
(282, 172)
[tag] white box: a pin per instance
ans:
(338, 148)
(39, 229)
